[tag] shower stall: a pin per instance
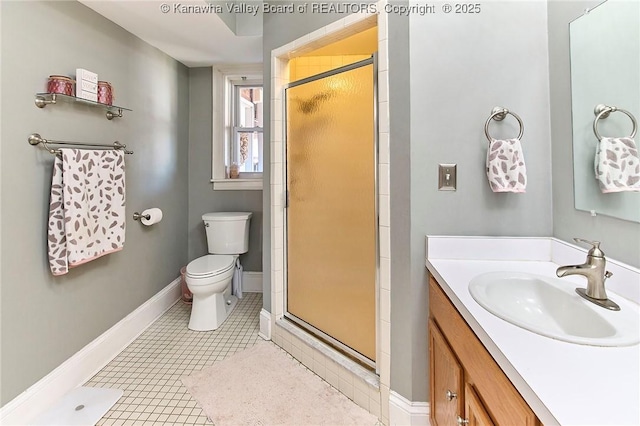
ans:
(332, 268)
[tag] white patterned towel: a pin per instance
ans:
(87, 207)
(617, 165)
(506, 170)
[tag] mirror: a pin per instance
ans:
(605, 69)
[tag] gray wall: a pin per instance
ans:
(620, 239)
(47, 319)
(408, 299)
(279, 29)
(202, 197)
(461, 67)
(242, 24)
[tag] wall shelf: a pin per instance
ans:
(44, 99)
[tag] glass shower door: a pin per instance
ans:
(331, 214)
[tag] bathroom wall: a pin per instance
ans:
(202, 197)
(462, 65)
(409, 367)
(620, 238)
(47, 319)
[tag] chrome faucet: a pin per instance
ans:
(594, 270)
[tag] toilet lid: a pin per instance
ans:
(212, 264)
(227, 216)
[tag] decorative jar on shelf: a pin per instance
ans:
(105, 93)
(60, 84)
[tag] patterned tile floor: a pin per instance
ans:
(150, 368)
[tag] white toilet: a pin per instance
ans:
(209, 277)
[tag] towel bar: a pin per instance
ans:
(499, 114)
(35, 139)
(602, 111)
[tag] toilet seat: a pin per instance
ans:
(211, 265)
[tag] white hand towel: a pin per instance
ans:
(506, 170)
(617, 165)
(87, 207)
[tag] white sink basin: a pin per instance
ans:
(550, 307)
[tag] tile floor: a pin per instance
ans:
(150, 368)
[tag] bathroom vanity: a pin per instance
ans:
(465, 382)
(485, 370)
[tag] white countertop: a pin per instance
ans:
(564, 383)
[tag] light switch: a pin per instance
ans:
(447, 177)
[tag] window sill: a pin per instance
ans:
(237, 184)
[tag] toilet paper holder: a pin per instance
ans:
(138, 216)
(149, 217)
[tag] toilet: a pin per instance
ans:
(209, 277)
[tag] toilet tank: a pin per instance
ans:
(227, 232)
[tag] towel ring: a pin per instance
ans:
(499, 114)
(602, 111)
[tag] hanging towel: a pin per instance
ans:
(87, 207)
(617, 165)
(506, 170)
(236, 281)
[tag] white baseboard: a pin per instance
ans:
(265, 324)
(403, 412)
(84, 364)
(252, 282)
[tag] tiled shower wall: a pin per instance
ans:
(366, 389)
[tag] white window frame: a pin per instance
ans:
(223, 80)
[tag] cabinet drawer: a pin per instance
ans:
(501, 399)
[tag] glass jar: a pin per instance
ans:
(60, 84)
(234, 171)
(105, 93)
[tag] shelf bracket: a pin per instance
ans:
(42, 102)
(111, 115)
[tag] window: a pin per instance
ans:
(246, 139)
(237, 129)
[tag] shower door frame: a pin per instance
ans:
(373, 364)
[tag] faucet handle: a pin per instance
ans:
(595, 244)
(608, 275)
(595, 249)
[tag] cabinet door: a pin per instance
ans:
(474, 411)
(445, 380)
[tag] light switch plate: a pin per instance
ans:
(447, 177)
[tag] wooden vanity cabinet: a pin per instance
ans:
(467, 387)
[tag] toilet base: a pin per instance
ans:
(208, 312)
